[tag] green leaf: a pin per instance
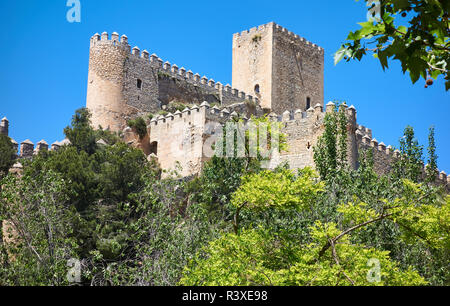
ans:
(339, 55)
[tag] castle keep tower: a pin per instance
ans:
(280, 68)
(120, 84)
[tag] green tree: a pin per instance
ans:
(431, 169)
(139, 126)
(414, 32)
(7, 155)
(81, 134)
(410, 164)
(330, 257)
(330, 153)
(39, 241)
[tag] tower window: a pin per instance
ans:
(308, 103)
(257, 90)
(139, 84)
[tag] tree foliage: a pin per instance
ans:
(7, 154)
(233, 224)
(414, 32)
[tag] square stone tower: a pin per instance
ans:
(280, 68)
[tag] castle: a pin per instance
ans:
(275, 72)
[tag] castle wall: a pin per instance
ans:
(173, 89)
(252, 62)
(179, 139)
(105, 81)
(298, 67)
(302, 130)
(273, 68)
(137, 67)
(124, 83)
(4, 127)
(287, 68)
(177, 84)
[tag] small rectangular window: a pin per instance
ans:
(139, 84)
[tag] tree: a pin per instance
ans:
(282, 190)
(431, 169)
(420, 40)
(7, 155)
(410, 164)
(38, 241)
(81, 134)
(260, 256)
(139, 126)
(330, 153)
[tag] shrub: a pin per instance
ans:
(139, 126)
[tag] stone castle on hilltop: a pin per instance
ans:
(275, 72)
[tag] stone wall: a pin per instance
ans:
(285, 68)
(252, 62)
(298, 67)
(124, 83)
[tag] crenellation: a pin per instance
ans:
(4, 126)
(154, 59)
(160, 63)
(286, 116)
(273, 117)
(169, 117)
(15, 145)
(359, 136)
(125, 83)
(26, 149)
(174, 69)
(166, 66)
(318, 108)
(443, 176)
(330, 107)
(374, 143)
(182, 72)
(115, 36)
(55, 146)
(190, 75)
(215, 110)
(145, 55)
(40, 147)
(366, 140)
(298, 114)
(136, 51)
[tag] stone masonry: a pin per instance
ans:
(275, 72)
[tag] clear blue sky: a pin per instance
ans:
(45, 59)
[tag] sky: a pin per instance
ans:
(45, 59)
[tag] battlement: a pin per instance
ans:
(173, 70)
(279, 30)
(27, 147)
(4, 126)
(166, 69)
(112, 40)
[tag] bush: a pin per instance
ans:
(139, 126)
